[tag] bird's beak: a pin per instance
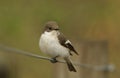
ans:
(57, 29)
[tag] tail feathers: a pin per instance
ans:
(70, 65)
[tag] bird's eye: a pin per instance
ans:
(50, 28)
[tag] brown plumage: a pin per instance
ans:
(50, 34)
(70, 65)
(63, 41)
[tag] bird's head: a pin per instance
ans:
(50, 26)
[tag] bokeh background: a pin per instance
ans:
(21, 23)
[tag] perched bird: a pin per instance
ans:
(54, 43)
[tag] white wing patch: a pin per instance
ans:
(67, 42)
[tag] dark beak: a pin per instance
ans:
(57, 29)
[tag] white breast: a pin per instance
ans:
(50, 45)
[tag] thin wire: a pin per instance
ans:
(14, 50)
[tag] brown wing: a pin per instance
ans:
(66, 43)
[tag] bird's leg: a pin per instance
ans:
(54, 60)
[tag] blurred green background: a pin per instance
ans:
(21, 23)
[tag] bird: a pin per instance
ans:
(53, 43)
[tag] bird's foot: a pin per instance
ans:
(54, 60)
